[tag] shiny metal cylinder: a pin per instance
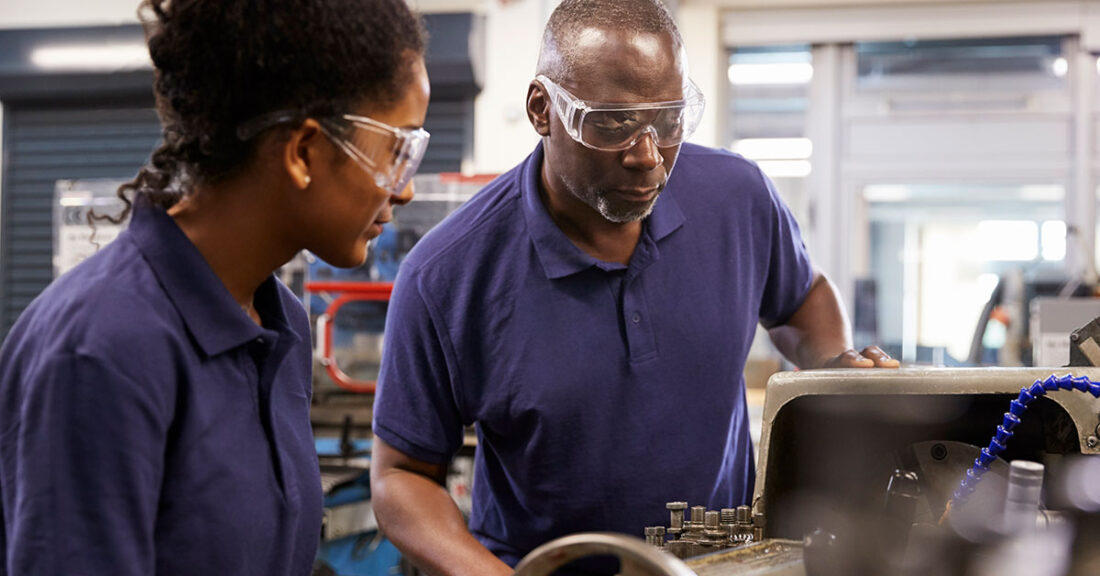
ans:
(655, 536)
(710, 520)
(676, 516)
(1025, 486)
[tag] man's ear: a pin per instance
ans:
(301, 153)
(538, 108)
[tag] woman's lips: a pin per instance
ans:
(375, 229)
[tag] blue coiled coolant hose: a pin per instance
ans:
(1008, 425)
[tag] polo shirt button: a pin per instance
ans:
(261, 341)
(636, 318)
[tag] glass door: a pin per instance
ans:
(939, 251)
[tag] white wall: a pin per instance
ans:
(502, 135)
(701, 26)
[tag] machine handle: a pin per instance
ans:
(350, 292)
(635, 556)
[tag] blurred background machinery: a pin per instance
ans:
(348, 307)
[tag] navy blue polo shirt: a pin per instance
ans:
(148, 426)
(599, 391)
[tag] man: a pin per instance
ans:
(591, 314)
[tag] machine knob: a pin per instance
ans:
(711, 520)
(655, 535)
(676, 512)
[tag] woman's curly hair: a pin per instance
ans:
(220, 63)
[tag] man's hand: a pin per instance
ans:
(819, 329)
(869, 357)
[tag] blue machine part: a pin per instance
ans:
(362, 554)
(1004, 432)
(369, 554)
(330, 446)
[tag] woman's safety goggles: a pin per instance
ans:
(612, 127)
(391, 155)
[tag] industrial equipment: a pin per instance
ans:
(881, 472)
(349, 308)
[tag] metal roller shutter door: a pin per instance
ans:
(44, 145)
(450, 123)
(41, 146)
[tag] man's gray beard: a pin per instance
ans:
(599, 202)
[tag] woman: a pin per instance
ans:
(154, 402)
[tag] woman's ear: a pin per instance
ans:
(301, 152)
(538, 108)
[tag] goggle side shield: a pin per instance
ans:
(612, 127)
(391, 155)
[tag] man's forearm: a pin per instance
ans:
(420, 518)
(818, 332)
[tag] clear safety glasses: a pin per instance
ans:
(391, 155)
(612, 127)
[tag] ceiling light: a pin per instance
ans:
(92, 58)
(1059, 66)
(774, 148)
(758, 74)
(785, 168)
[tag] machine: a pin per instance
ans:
(911, 471)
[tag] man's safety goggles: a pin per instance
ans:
(611, 127)
(391, 155)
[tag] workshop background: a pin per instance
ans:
(940, 155)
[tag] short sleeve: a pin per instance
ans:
(789, 270)
(415, 406)
(83, 468)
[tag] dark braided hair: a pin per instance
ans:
(220, 63)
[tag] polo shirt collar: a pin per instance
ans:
(558, 255)
(214, 319)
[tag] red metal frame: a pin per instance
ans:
(349, 292)
(356, 291)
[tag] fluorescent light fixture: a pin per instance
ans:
(886, 193)
(1042, 193)
(762, 74)
(785, 168)
(1059, 66)
(92, 58)
(774, 148)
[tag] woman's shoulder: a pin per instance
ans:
(110, 306)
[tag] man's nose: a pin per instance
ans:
(644, 154)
